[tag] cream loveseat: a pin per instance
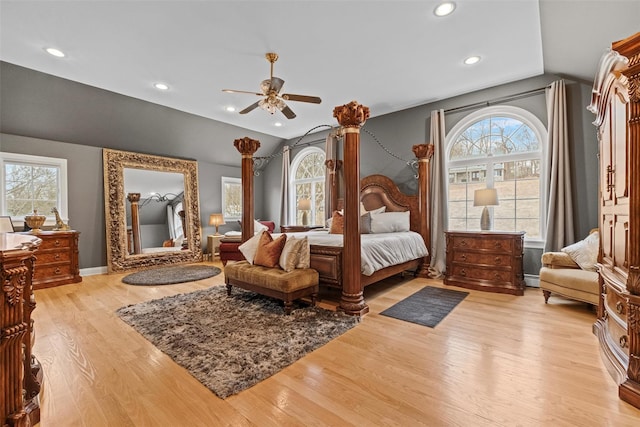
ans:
(571, 272)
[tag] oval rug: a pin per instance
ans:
(171, 275)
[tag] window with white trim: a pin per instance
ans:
(307, 182)
(29, 183)
(231, 198)
(498, 147)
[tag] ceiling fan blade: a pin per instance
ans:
(301, 98)
(288, 113)
(250, 107)
(276, 84)
(241, 91)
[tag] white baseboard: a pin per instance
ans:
(93, 271)
(532, 280)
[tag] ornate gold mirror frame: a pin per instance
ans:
(118, 258)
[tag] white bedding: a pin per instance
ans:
(378, 250)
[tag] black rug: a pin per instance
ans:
(171, 275)
(230, 343)
(426, 307)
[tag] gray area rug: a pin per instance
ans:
(230, 343)
(426, 307)
(171, 275)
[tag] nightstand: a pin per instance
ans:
(298, 228)
(213, 245)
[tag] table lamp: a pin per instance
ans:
(216, 219)
(304, 205)
(485, 197)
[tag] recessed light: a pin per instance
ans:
(472, 60)
(444, 9)
(230, 109)
(161, 86)
(277, 124)
(55, 52)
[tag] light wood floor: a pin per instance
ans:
(496, 360)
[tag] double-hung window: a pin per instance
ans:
(30, 183)
(497, 147)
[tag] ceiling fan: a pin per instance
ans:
(272, 100)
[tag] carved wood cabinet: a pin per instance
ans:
(616, 104)
(20, 373)
(57, 259)
(485, 261)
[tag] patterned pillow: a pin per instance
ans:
(304, 255)
(290, 255)
(269, 250)
(337, 223)
(585, 252)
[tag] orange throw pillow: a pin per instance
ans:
(337, 223)
(269, 250)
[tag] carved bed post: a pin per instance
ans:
(247, 146)
(134, 198)
(351, 117)
(424, 152)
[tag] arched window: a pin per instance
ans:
(497, 147)
(307, 183)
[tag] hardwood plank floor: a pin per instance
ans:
(496, 360)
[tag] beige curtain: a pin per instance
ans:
(330, 151)
(439, 210)
(284, 195)
(560, 230)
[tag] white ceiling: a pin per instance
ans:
(387, 55)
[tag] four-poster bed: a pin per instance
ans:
(340, 266)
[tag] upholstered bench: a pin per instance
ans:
(273, 282)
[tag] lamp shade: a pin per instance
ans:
(304, 204)
(485, 197)
(216, 219)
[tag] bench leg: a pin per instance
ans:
(288, 306)
(229, 286)
(546, 294)
(314, 298)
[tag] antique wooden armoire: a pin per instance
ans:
(616, 104)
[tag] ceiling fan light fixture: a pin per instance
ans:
(444, 9)
(267, 106)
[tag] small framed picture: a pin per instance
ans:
(6, 226)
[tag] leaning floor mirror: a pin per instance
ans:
(152, 210)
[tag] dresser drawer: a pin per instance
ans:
(55, 242)
(616, 304)
(478, 273)
(503, 260)
(51, 271)
(487, 244)
(52, 257)
(618, 334)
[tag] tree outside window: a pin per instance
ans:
(231, 198)
(307, 181)
(497, 147)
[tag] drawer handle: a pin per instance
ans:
(498, 260)
(57, 270)
(463, 272)
(57, 243)
(497, 244)
(57, 256)
(496, 275)
(619, 307)
(463, 243)
(624, 341)
(464, 257)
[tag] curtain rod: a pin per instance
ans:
(497, 100)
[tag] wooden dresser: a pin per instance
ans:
(485, 261)
(616, 104)
(20, 372)
(57, 259)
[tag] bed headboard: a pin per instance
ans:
(378, 190)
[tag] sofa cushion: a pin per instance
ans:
(272, 278)
(558, 260)
(571, 282)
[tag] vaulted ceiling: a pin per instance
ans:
(388, 55)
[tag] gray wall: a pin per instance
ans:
(399, 131)
(45, 115)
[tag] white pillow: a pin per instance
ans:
(258, 227)
(389, 222)
(249, 248)
(585, 252)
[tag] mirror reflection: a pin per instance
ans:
(159, 200)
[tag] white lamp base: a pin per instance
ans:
(485, 220)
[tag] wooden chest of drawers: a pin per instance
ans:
(57, 259)
(485, 261)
